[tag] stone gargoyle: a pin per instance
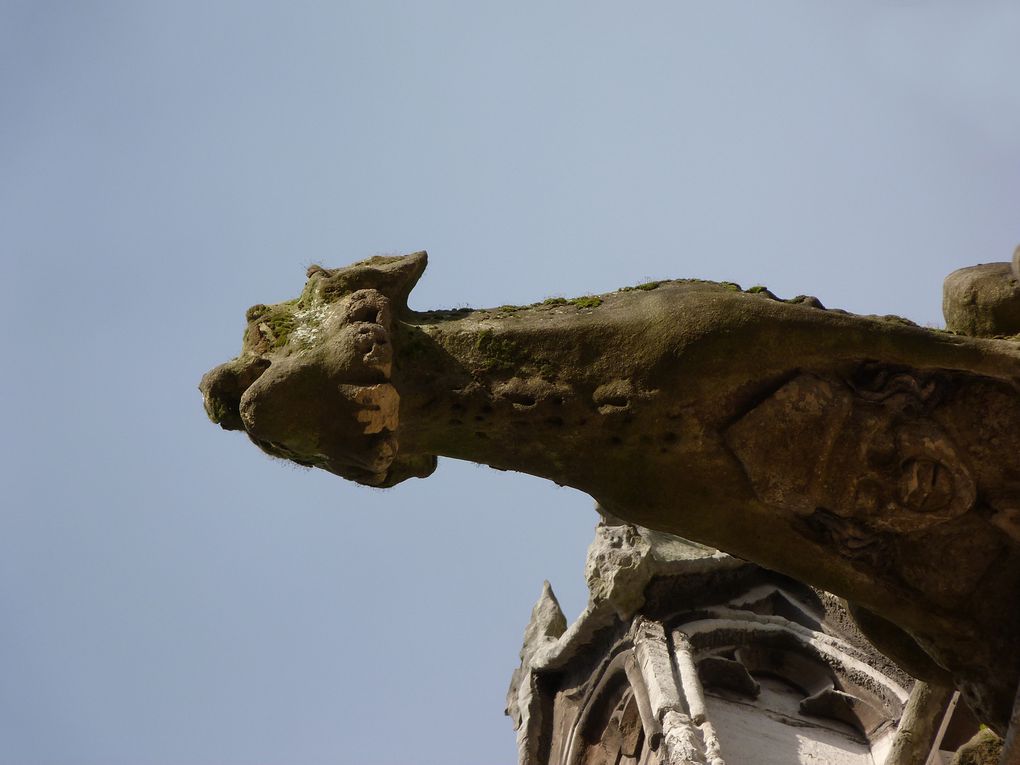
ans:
(863, 455)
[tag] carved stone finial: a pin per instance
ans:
(547, 623)
(984, 301)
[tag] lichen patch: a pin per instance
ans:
(309, 321)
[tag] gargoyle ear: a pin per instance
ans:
(393, 276)
(396, 276)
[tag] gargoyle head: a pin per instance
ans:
(312, 382)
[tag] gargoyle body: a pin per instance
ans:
(864, 455)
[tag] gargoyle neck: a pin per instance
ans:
(497, 389)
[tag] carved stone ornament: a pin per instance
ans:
(863, 455)
(719, 662)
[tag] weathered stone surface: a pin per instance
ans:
(865, 455)
(752, 668)
(523, 705)
(618, 567)
(920, 724)
(651, 651)
(547, 623)
(984, 749)
(983, 301)
(622, 559)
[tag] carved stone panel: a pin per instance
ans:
(855, 459)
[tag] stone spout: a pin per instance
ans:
(864, 455)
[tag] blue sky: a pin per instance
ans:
(170, 595)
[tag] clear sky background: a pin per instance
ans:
(168, 594)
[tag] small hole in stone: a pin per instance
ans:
(522, 399)
(364, 313)
(669, 437)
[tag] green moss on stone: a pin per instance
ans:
(216, 409)
(585, 301)
(645, 287)
(274, 323)
(412, 344)
(732, 286)
(378, 260)
(546, 370)
(308, 294)
(984, 749)
(498, 353)
(256, 311)
(894, 319)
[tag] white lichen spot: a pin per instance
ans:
(309, 323)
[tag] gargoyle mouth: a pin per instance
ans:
(295, 413)
(350, 431)
(223, 386)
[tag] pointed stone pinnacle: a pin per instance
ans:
(546, 625)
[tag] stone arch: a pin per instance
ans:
(614, 725)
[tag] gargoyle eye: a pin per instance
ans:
(365, 313)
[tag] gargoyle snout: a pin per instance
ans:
(223, 386)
